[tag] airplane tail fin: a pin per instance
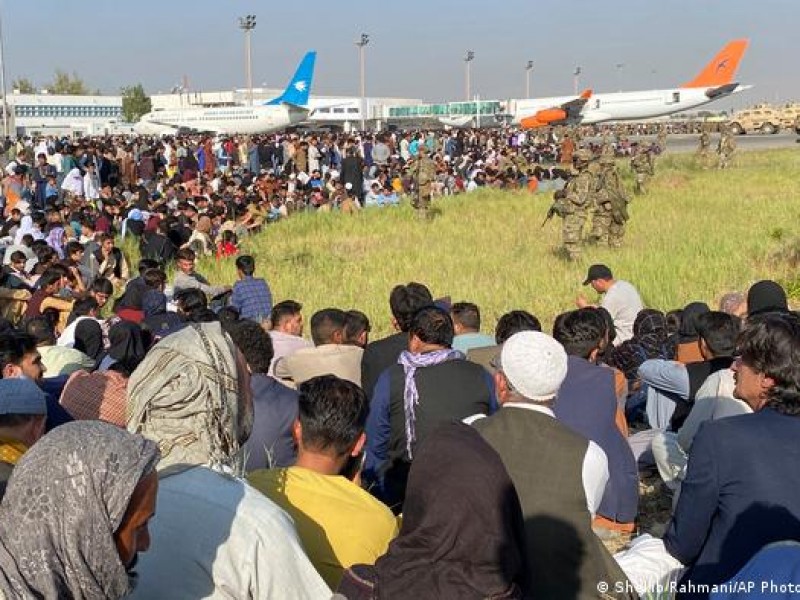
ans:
(722, 68)
(300, 86)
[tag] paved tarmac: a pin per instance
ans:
(752, 141)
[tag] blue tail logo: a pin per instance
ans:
(300, 86)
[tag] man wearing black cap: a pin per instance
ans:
(620, 299)
(764, 297)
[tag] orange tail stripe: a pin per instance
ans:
(722, 69)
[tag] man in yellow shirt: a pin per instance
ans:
(339, 523)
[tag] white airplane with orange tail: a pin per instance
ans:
(715, 81)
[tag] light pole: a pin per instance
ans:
(528, 69)
(619, 67)
(3, 79)
(576, 80)
(361, 43)
(467, 61)
(247, 24)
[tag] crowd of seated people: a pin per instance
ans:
(439, 461)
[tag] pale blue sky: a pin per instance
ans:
(416, 47)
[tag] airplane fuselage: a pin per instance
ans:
(223, 120)
(625, 106)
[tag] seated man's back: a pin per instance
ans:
(587, 404)
(329, 354)
(339, 523)
(432, 384)
(236, 521)
(337, 359)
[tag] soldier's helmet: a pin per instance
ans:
(606, 160)
(582, 156)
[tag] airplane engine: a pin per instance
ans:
(543, 118)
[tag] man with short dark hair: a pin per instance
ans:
(20, 358)
(357, 328)
(339, 523)
(156, 244)
(620, 299)
(49, 284)
(113, 265)
(251, 295)
(467, 326)
(187, 278)
(673, 386)
(430, 384)
(404, 301)
(510, 323)
(274, 404)
(286, 331)
(101, 290)
(587, 404)
(23, 413)
(329, 354)
(136, 287)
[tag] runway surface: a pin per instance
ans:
(754, 141)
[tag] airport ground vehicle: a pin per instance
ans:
(789, 112)
(761, 118)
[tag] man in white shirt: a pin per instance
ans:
(286, 333)
(91, 182)
(620, 299)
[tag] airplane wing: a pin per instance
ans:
(567, 112)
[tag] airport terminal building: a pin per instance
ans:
(48, 114)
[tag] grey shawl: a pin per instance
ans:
(184, 396)
(66, 498)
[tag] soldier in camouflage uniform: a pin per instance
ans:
(642, 168)
(423, 173)
(703, 148)
(601, 204)
(521, 163)
(726, 147)
(607, 148)
(661, 139)
(651, 159)
(572, 204)
(615, 199)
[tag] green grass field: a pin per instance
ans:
(697, 235)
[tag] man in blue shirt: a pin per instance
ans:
(251, 295)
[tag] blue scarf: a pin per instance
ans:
(411, 362)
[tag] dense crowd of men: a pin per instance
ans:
(182, 439)
(206, 193)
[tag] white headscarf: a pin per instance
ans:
(185, 396)
(26, 227)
